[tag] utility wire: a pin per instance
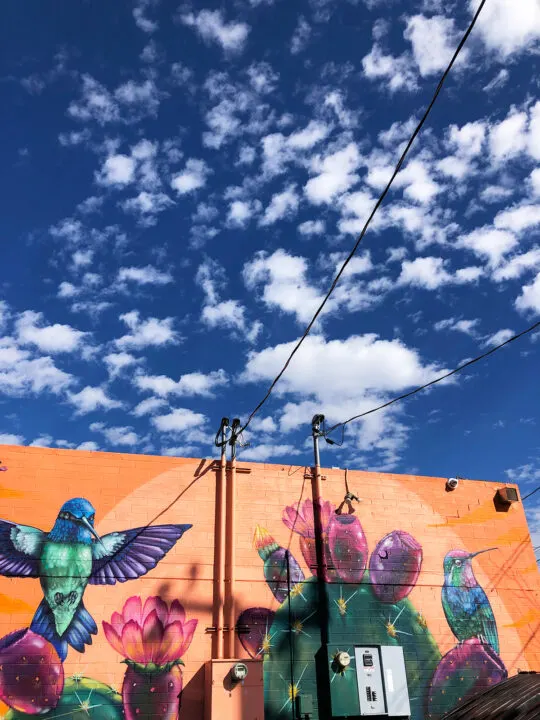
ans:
(370, 218)
(530, 494)
(459, 368)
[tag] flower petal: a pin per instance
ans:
(177, 612)
(133, 610)
(189, 630)
(114, 639)
(133, 642)
(117, 621)
(152, 636)
(157, 604)
(173, 642)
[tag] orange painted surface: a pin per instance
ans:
(129, 491)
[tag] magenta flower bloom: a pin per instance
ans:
(154, 633)
(302, 521)
(152, 638)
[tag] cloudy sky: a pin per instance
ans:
(180, 183)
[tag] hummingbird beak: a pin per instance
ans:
(482, 551)
(87, 523)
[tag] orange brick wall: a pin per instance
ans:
(131, 491)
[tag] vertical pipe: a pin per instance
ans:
(319, 542)
(220, 554)
(231, 557)
(291, 639)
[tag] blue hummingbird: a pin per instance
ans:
(464, 601)
(72, 555)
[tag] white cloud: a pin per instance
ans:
(506, 31)
(55, 338)
(96, 103)
(82, 258)
(301, 36)
(431, 273)
(11, 439)
(92, 398)
(147, 204)
(42, 441)
(336, 175)
(178, 421)
(467, 327)
(529, 298)
(518, 265)
(148, 406)
(67, 290)
(490, 243)
(308, 137)
(116, 435)
(265, 451)
(240, 212)
(283, 204)
(396, 70)
(453, 167)
(533, 140)
(147, 275)
(534, 179)
(88, 445)
(152, 332)
(499, 81)
(499, 337)
(312, 227)
(211, 26)
(189, 385)
(509, 137)
(141, 20)
(21, 374)
(518, 218)
(117, 170)
(433, 42)
(116, 362)
(468, 139)
(495, 193)
(282, 278)
(417, 181)
(191, 178)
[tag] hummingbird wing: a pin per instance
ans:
(486, 618)
(20, 549)
(126, 555)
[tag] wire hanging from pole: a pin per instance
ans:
(439, 379)
(371, 215)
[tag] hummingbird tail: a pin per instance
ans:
(78, 633)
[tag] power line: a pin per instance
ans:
(370, 218)
(459, 368)
(530, 494)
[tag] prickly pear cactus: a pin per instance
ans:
(356, 616)
(82, 699)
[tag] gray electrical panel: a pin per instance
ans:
(382, 681)
(395, 681)
(370, 682)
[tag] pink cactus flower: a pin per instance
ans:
(302, 521)
(154, 633)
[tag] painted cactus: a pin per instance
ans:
(258, 620)
(394, 566)
(31, 673)
(468, 669)
(302, 522)
(348, 547)
(82, 699)
(152, 639)
(275, 564)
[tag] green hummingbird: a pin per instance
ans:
(465, 604)
(71, 556)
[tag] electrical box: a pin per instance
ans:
(382, 681)
(370, 682)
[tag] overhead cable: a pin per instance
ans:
(530, 494)
(372, 214)
(439, 379)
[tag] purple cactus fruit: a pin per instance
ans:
(348, 547)
(394, 566)
(257, 641)
(31, 673)
(467, 670)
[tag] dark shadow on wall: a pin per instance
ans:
(191, 695)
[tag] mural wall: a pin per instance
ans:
(108, 594)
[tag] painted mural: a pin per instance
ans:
(367, 598)
(151, 637)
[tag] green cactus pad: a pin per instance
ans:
(355, 617)
(82, 699)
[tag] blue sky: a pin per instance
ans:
(180, 184)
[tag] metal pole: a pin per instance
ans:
(322, 560)
(291, 640)
(219, 592)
